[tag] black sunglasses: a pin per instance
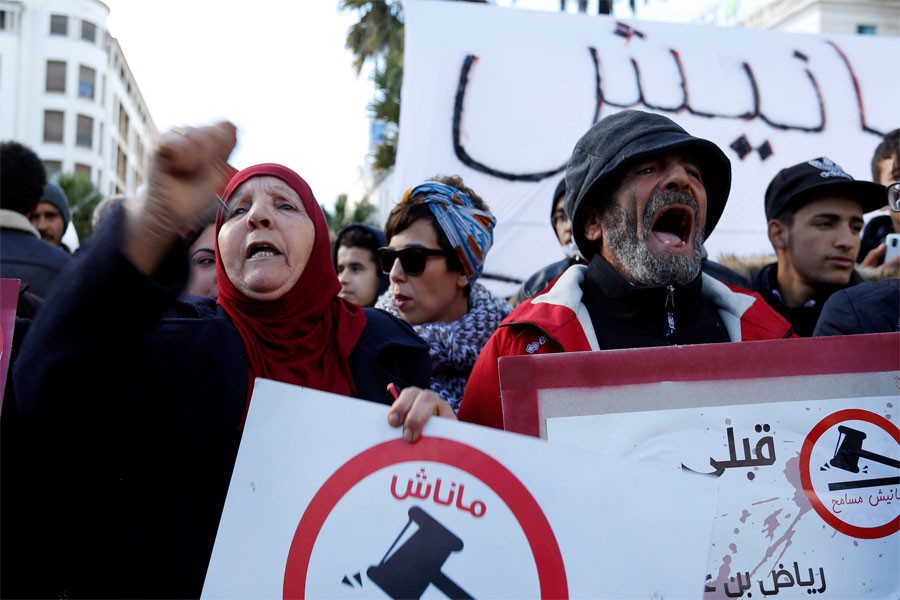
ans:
(411, 259)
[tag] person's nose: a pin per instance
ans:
(847, 238)
(259, 216)
(344, 277)
(397, 273)
(675, 177)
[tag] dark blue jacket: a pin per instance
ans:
(870, 307)
(142, 394)
(25, 256)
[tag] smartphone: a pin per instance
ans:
(893, 247)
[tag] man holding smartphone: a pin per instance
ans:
(872, 306)
(875, 248)
(815, 214)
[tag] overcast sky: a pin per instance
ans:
(277, 69)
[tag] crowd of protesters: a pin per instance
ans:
(134, 360)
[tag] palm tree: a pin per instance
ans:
(377, 37)
(363, 212)
(83, 196)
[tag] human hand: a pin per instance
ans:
(186, 172)
(884, 270)
(412, 409)
(874, 256)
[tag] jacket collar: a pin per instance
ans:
(561, 304)
(10, 219)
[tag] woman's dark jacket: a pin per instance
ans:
(141, 394)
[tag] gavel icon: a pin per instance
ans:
(417, 563)
(847, 456)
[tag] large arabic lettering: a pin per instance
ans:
(422, 490)
(682, 104)
(764, 452)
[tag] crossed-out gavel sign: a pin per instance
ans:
(847, 456)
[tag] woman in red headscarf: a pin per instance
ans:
(145, 390)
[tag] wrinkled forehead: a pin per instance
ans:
(267, 183)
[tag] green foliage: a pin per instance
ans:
(378, 37)
(363, 212)
(83, 197)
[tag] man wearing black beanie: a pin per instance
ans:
(51, 215)
(643, 195)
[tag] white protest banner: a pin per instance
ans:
(500, 96)
(327, 500)
(801, 436)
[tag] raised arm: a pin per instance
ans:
(187, 169)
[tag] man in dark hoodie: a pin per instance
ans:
(51, 216)
(23, 255)
(642, 194)
(815, 214)
(562, 226)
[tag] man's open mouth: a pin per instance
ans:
(673, 225)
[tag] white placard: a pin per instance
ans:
(326, 500)
(809, 491)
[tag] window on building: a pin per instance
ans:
(86, 80)
(122, 166)
(84, 134)
(52, 167)
(59, 25)
(53, 126)
(3, 20)
(83, 169)
(866, 29)
(123, 123)
(100, 139)
(56, 76)
(88, 31)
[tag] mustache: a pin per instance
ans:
(659, 200)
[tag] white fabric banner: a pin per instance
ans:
(500, 96)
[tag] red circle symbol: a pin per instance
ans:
(850, 414)
(541, 540)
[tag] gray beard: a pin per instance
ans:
(633, 253)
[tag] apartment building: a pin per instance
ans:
(67, 92)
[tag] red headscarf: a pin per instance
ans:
(306, 336)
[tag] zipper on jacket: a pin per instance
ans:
(670, 312)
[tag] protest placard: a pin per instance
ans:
(801, 436)
(9, 299)
(327, 500)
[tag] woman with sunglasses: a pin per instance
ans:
(143, 392)
(438, 238)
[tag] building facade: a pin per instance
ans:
(846, 17)
(66, 92)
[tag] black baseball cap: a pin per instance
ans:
(795, 186)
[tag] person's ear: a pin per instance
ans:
(461, 280)
(593, 223)
(778, 234)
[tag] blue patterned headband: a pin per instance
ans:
(469, 230)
